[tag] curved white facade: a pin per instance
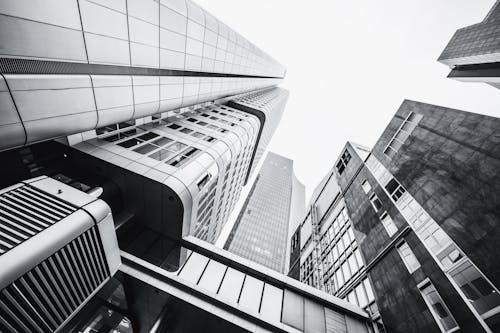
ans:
(203, 156)
(86, 64)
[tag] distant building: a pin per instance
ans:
(473, 52)
(276, 200)
(409, 230)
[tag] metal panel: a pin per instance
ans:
(293, 310)
(335, 322)
(194, 267)
(66, 14)
(171, 20)
(172, 40)
(107, 50)
(24, 212)
(144, 55)
(39, 40)
(45, 297)
(212, 276)
(355, 326)
(146, 10)
(231, 285)
(251, 294)
(272, 300)
(103, 21)
(314, 317)
(142, 32)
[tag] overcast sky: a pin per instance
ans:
(351, 63)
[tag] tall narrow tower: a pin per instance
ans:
(261, 229)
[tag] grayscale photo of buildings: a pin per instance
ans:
(163, 173)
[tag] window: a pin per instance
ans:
(341, 165)
(114, 127)
(402, 134)
(434, 237)
(375, 202)
(360, 293)
(295, 241)
(388, 224)
(203, 181)
(340, 277)
(369, 290)
(366, 186)
(174, 126)
(438, 308)
(346, 271)
(145, 149)
(352, 264)
(408, 257)
(478, 291)
(358, 258)
(351, 298)
(395, 189)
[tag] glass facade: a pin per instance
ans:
(260, 232)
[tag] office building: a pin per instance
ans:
(123, 156)
(473, 53)
(268, 107)
(90, 64)
(409, 229)
(91, 72)
(276, 199)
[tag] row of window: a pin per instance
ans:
(158, 147)
(345, 271)
(384, 217)
(342, 163)
(307, 267)
(469, 281)
(402, 134)
(335, 228)
(340, 248)
(362, 294)
(432, 298)
(232, 189)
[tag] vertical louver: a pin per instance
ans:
(42, 299)
(26, 211)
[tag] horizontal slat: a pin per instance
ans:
(26, 211)
(42, 299)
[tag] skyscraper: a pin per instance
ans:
(91, 84)
(473, 52)
(409, 229)
(124, 135)
(268, 107)
(94, 63)
(260, 232)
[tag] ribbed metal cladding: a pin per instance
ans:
(26, 211)
(42, 299)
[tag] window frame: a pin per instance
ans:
(437, 318)
(410, 254)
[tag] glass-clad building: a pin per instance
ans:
(261, 229)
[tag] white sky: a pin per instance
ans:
(351, 63)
